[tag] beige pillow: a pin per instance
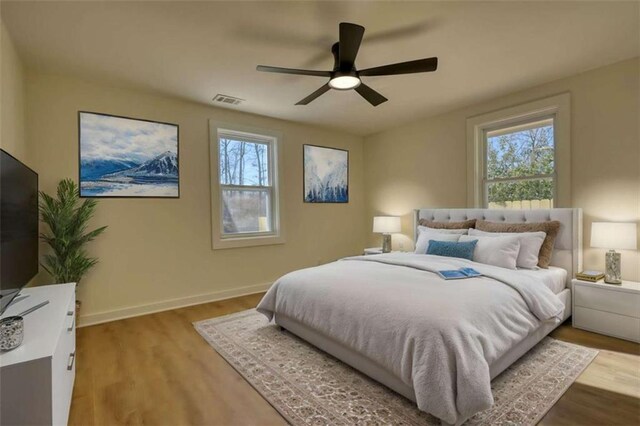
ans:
(550, 228)
(466, 224)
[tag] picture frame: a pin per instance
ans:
(126, 157)
(325, 174)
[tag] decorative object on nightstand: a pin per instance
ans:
(386, 225)
(591, 276)
(607, 309)
(612, 235)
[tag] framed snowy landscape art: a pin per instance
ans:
(326, 175)
(127, 157)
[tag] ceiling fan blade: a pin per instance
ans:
(313, 73)
(411, 67)
(350, 39)
(315, 95)
(373, 97)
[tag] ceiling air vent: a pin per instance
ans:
(226, 99)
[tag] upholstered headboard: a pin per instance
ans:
(567, 252)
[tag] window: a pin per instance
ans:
(245, 180)
(520, 166)
(519, 157)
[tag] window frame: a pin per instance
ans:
(273, 139)
(556, 108)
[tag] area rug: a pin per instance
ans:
(309, 387)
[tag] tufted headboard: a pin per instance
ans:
(567, 252)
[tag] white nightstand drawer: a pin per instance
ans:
(608, 300)
(607, 323)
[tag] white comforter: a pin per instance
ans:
(437, 336)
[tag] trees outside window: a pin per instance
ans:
(246, 184)
(520, 166)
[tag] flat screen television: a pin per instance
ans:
(18, 227)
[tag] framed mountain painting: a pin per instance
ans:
(127, 157)
(326, 175)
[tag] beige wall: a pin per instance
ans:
(423, 164)
(157, 250)
(160, 250)
(12, 99)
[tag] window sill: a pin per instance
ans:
(239, 242)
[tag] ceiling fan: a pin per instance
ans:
(345, 76)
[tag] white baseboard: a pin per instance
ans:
(134, 311)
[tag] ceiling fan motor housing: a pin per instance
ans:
(335, 50)
(352, 79)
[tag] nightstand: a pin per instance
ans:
(373, 250)
(608, 309)
(378, 250)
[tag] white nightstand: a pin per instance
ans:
(378, 250)
(608, 309)
(373, 250)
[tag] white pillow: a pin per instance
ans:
(496, 251)
(445, 231)
(530, 243)
(425, 234)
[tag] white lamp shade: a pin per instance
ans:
(386, 224)
(612, 235)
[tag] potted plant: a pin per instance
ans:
(67, 220)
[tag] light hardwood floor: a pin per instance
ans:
(157, 370)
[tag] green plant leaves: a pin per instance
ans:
(67, 220)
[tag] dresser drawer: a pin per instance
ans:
(607, 323)
(618, 302)
(63, 369)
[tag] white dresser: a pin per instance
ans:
(36, 378)
(608, 309)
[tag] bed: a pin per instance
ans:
(392, 318)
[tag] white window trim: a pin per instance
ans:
(219, 240)
(557, 107)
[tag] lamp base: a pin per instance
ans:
(386, 243)
(612, 268)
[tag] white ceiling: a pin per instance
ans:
(194, 50)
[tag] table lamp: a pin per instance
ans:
(611, 235)
(386, 225)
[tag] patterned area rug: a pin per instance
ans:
(310, 387)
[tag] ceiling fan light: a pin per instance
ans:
(344, 82)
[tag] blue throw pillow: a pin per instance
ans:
(452, 249)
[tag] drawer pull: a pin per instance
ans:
(72, 359)
(73, 322)
(69, 313)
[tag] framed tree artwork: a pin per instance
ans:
(326, 174)
(127, 157)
